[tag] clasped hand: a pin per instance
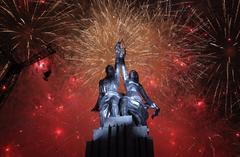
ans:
(120, 52)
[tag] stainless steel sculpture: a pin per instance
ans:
(108, 99)
(134, 103)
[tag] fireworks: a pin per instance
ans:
(177, 40)
(93, 48)
(171, 46)
(30, 25)
(221, 56)
(160, 41)
(190, 129)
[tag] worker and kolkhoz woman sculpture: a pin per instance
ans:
(134, 102)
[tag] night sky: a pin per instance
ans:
(53, 118)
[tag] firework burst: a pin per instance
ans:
(177, 41)
(93, 47)
(30, 25)
(160, 41)
(188, 128)
(221, 56)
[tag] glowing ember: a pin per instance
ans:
(42, 1)
(41, 65)
(200, 104)
(7, 149)
(49, 96)
(4, 87)
(180, 63)
(237, 134)
(172, 134)
(200, 150)
(73, 79)
(173, 143)
(58, 132)
(60, 109)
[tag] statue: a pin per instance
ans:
(135, 102)
(109, 97)
(123, 130)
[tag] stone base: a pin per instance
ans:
(121, 120)
(120, 139)
(117, 122)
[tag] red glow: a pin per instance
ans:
(7, 149)
(49, 96)
(173, 143)
(34, 114)
(77, 135)
(172, 134)
(151, 123)
(180, 105)
(41, 65)
(180, 63)
(42, 1)
(237, 134)
(153, 83)
(70, 96)
(4, 87)
(200, 104)
(37, 107)
(73, 79)
(189, 6)
(60, 109)
(94, 120)
(58, 132)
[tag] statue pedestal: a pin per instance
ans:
(120, 138)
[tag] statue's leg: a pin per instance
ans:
(104, 114)
(144, 115)
(102, 120)
(136, 117)
(138, 113)
(123, 106)
(114, 106)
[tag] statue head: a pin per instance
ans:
(110, 71)
(133, 76)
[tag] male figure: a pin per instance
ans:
(136, 101)
(108, 99)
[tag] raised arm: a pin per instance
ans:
(124, 71)
(120, 54)
(117, 69)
